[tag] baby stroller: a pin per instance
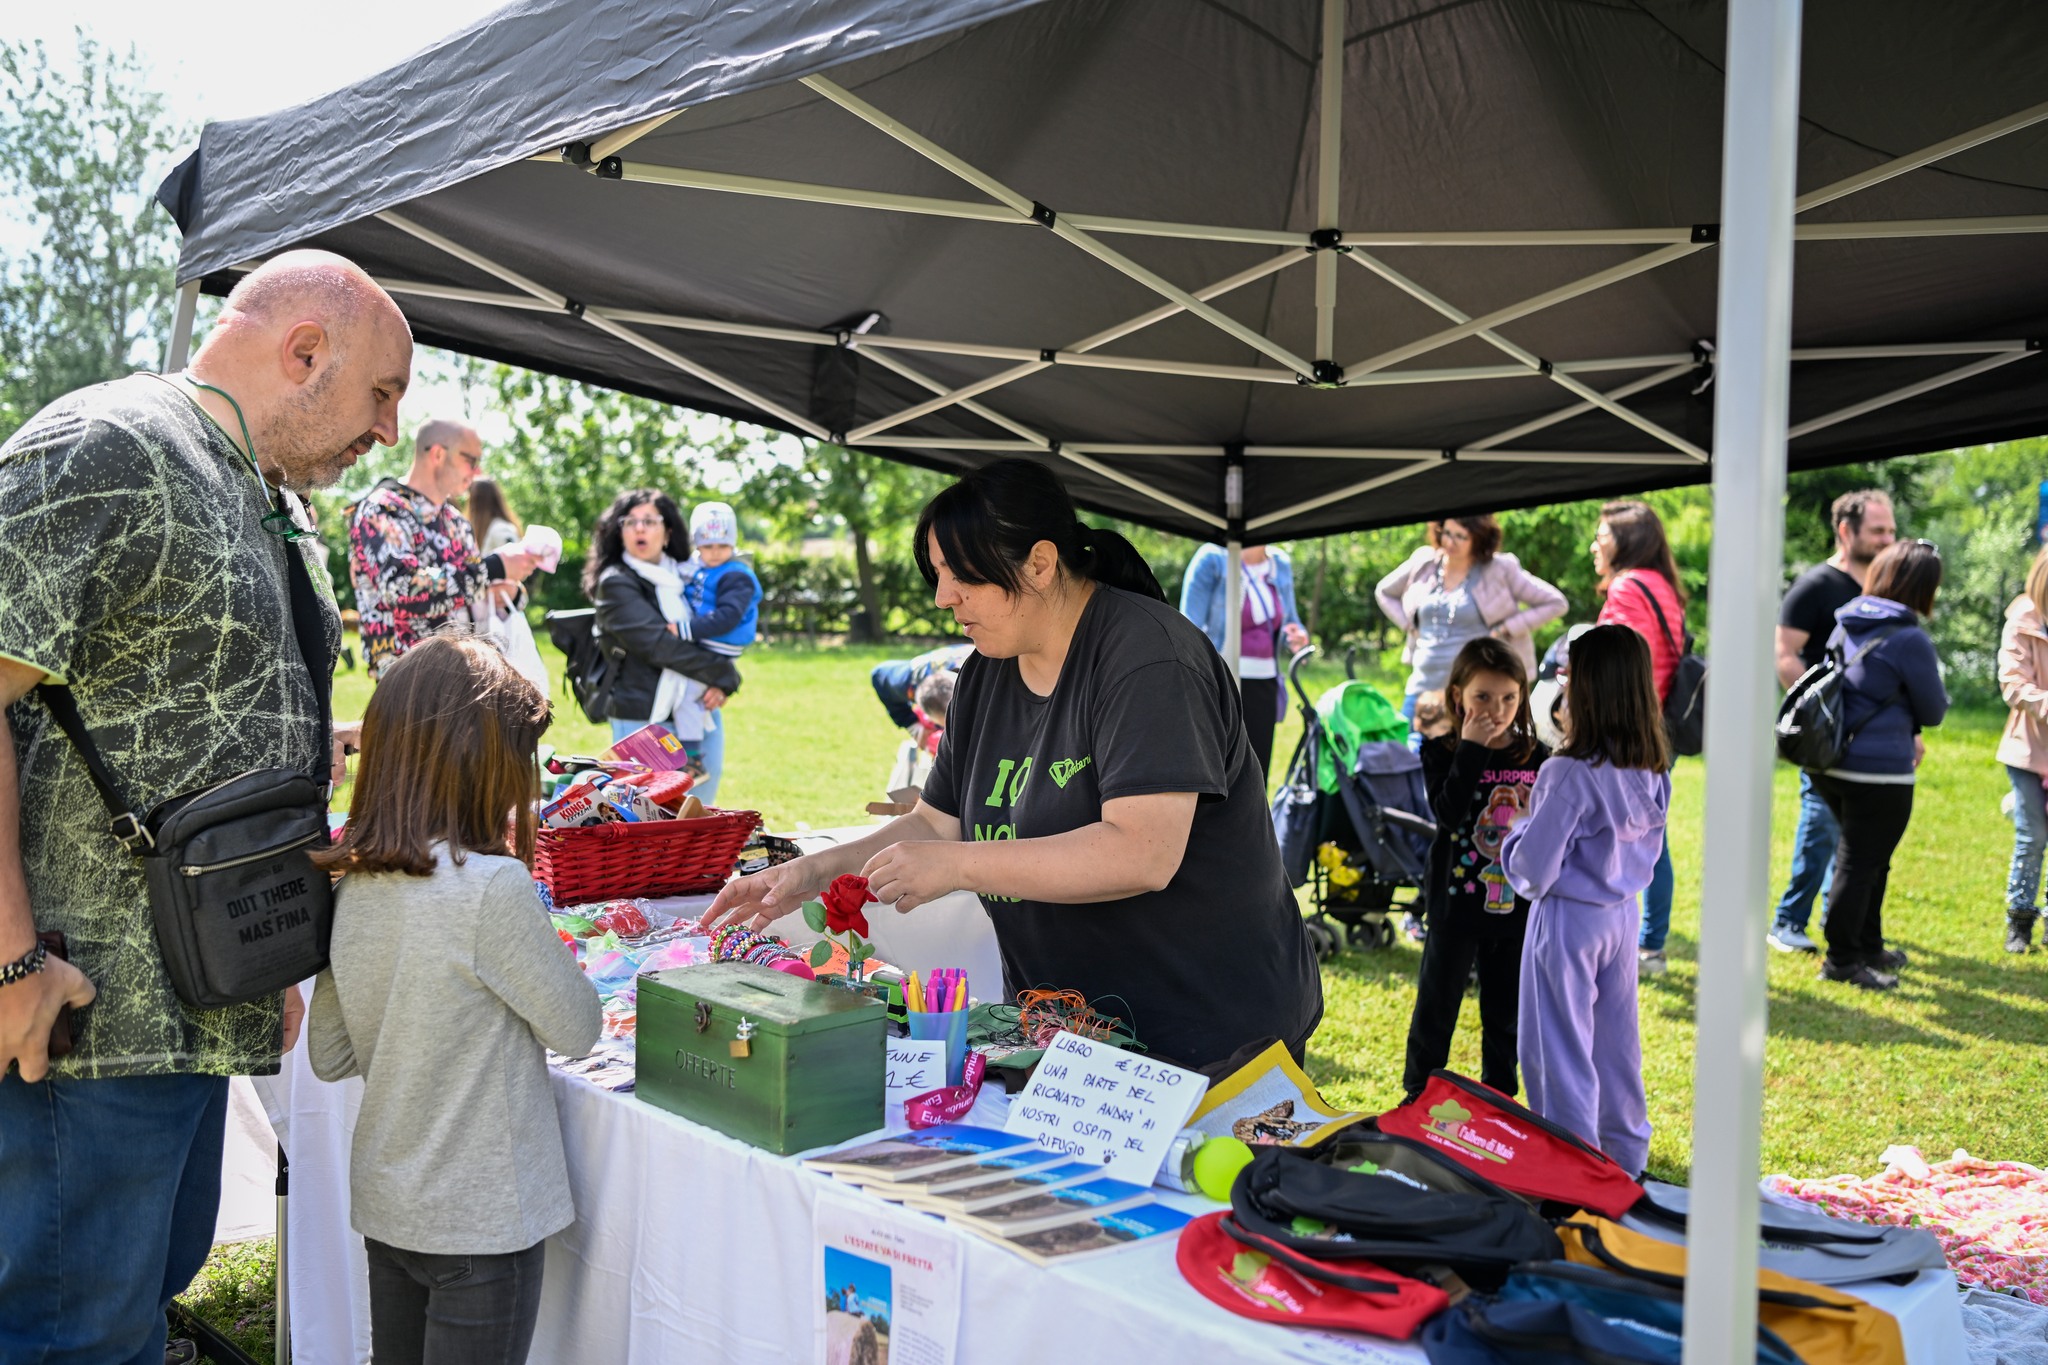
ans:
(1351, 816)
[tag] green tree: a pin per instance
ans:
(877, 501)
(90, 299)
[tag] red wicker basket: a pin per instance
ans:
(657, 858)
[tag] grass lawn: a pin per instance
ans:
(1957, 1057)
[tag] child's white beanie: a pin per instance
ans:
(713, 523)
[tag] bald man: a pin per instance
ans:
(412, 554)
(138, 568)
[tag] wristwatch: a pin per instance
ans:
(27, 964)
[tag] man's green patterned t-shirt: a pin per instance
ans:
(134, 565)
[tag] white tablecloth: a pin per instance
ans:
(690, 1246)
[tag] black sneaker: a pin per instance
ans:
(2019, 931)
(1862, 976)
(1889, 959)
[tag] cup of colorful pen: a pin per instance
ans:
(935, 1007)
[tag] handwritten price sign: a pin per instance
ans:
(1099, 1103)
(913, 1069)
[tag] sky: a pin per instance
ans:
(222, 59)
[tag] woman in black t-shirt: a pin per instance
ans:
(1094, 787)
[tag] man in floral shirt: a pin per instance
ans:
(413, 556)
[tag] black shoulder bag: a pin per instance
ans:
(241, 912)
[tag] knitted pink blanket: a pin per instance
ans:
(1990, 1216)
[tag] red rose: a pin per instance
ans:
(843, 901)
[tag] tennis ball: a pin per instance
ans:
(1217, 1163)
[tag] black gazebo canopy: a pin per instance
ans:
(1396, 258)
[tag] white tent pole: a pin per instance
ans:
(1897, 166)
(1040, 441)
(1648, 381)
(604, 324)
(643, 172)
(1330, 130)
(1528, 358)
(1233, 564)
(1536, 303)
(611, 144)
(1910, 391)
(1073, 354)
(1759, 152)
(187, 311)
(995, 189)
(1913, 161)
(650, 173)
(1349, 491)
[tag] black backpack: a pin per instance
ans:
(1685, 710)
(590, 671)
(1809, 726)
(1419, 1214)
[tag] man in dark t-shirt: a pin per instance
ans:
(1864, 525)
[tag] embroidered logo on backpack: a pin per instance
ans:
(1449, 1121)
(1062, 770)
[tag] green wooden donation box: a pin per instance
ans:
(771, 1059)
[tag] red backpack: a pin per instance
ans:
(1256, 1283)
(1487, 1132)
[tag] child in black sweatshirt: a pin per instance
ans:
(1479, 778)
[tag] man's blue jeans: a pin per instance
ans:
(891, 681)
(1657, 903)
(109, 1190)
(1813, 858)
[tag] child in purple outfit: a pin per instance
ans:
(1582, 856)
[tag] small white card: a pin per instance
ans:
(1096, 1102)
(913, 1068)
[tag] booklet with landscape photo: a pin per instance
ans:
(953, 1201)
(1107, 1232)
(1074, 1204)
(944, 1148)
(988, 1171)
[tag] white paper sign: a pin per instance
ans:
(1096, 1102)
(914, 1068)
(887, 1285)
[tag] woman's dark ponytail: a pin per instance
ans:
(1114, 562)
(987, 523)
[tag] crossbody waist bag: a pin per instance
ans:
(240, 910)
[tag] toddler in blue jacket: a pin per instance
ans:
(724, 598)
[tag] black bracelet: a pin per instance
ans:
(28, 964)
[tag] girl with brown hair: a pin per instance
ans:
(1480, 776)
(1639, 575)
(446, 986)
(1583, 855)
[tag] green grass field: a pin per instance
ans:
(1957, 1057)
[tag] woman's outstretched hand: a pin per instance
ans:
(767, 895)
(914, 872)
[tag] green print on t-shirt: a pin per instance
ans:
(1011, 776)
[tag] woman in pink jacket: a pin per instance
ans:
(1457, 588)
(2023, 749)
(1638, 573)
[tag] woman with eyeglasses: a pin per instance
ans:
(1633, 563)
(1891, 691)
(1457, 588)
(634, 578)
